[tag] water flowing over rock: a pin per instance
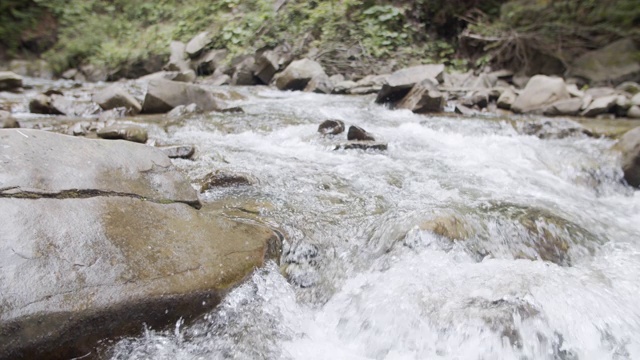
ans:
(103, 234)
(630, 147)
(400, 82)
(540, 92)
(298, 74)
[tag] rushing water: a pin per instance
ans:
(547, 265)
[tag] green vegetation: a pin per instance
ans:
(115, 34)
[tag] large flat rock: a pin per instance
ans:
(34, 162)
(75, 271)
(99, 238)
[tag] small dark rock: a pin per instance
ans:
(361, 145)
(220, 179)
(331, 127)
(178, 151)
(42, 104)
(360, 134)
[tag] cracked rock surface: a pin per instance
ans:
(100, 237)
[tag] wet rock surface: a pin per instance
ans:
(102, 241)
(331, 127)
(359, 134)
(124, 132)
(629, 146)
(178, 151)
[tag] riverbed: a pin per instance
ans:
(468, 238)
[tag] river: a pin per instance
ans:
(545, 263)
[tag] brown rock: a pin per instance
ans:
(331, 127)
(360, 134)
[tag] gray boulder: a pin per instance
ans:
(196, 45)
(540, 92)
(178, 60)
(42, 104)
(320, 84)
(7, 121)
(601, 105)
(629, 146)
(244, 72)
(424, 97)
(568, 107)
(164, 95)
(630, 87)
(270, 61)
(634, 112)
(209, 61)
(635, 100)
(298, 74)
(124, 132)
(362, 145)
(116, 96)
(614, 63)
(506, 99)
(9, 81)
(99, 242)
(400, 82)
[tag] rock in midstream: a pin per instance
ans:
(99, 240)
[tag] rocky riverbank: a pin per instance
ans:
(110, 217)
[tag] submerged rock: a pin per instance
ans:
(361, 145)
(109, 248)
(221, 179)
(178, 151)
